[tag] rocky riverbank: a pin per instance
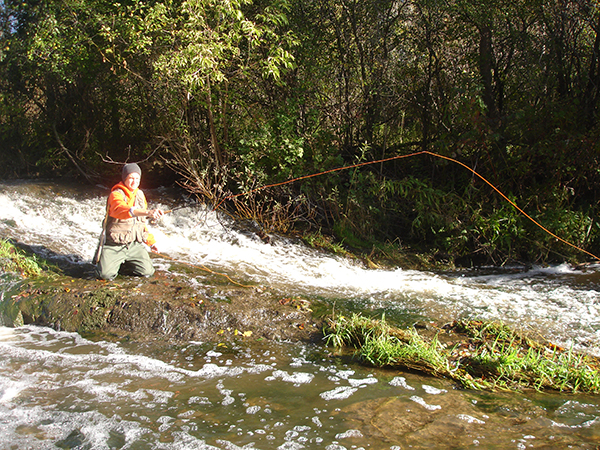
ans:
(165, 306)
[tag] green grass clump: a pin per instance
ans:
(15, 260)
(321, 241)
(380, 344)
(485, 355)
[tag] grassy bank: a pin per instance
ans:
(476, 355)
(15, 260)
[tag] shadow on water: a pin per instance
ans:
(70, 265)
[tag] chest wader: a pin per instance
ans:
(123, 247)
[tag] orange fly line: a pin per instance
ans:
(423, 152)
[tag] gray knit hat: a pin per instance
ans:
(130, 168)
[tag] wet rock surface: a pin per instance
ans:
(165, 306)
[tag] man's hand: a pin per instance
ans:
(155, 214)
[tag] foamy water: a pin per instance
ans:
(60, 390)
(561, 303)
(138, 399)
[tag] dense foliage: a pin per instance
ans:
(231, 95)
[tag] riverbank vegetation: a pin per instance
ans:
(225, 97)
(15, 260)
(475, 354)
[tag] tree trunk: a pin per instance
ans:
(486, 70)
(213, 132)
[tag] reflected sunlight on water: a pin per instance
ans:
(59, 387)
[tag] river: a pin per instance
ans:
(63, 390)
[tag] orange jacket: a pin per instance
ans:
(121, 203)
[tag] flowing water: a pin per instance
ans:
(62, 390)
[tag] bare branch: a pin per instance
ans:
(65, 150)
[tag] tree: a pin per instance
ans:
(78, 100)
(210, 58)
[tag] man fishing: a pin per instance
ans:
(124, 229)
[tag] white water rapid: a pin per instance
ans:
(561, 303)
(62, 390)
